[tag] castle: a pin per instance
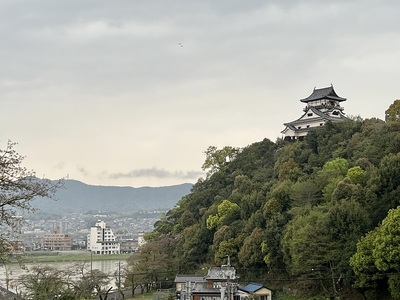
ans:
(322, 105)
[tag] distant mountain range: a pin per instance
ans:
(76, 196)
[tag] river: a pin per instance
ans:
(14, 271)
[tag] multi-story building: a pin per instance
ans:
(59, 239)
(101, 240)
(322, 105)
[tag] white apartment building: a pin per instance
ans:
(101, 240)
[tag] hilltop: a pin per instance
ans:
(317, 216)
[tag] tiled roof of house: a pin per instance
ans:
(324, 93)
(189, 278)
(251, 287)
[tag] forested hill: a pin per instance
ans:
(290, 214)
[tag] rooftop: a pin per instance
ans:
(251, 287)
(323, 93)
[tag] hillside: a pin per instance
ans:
(293, 215)
(76, 196)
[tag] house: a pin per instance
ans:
(183, 283)
(322, 105)
(254, 289)
(219, 283)
(101, 240)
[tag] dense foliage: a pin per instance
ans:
(290, 214)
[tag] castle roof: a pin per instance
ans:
(324, 93)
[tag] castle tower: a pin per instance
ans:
(321, 106)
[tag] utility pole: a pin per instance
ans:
(119, 279)
(119, 276)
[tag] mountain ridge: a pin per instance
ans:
(77, 196)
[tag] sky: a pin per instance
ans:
(131, 93)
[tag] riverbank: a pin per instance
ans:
(65, 256)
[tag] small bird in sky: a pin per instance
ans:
(180, 44)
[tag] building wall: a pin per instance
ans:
(57, 241)
(264, 294)
(101, 240)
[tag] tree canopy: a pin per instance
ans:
(296, 210)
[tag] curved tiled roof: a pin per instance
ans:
(324, 93)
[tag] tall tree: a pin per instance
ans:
(393, 112)
(378, 256)
(217, 159)
(18, 186)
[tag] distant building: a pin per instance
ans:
(141, 240)
(322, 105)
(101, 240)
(58, 240)
(128, 246)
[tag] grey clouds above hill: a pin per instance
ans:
(132, 92)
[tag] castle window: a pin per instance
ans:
(309, 114)
(299, 127)
(308, 126)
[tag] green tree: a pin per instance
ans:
(378, 256)
(356, 175)
(250, 254)
(332, 173)
(319, 241)
(226, 248)
(217, 159)
(227, 213)
(363, 264)
(307, 191)
(393, 112)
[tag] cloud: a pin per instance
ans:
(156, 173)
(59, 166)
(102, 84)
(100, 29)
(83, 171)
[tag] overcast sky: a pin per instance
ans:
(132, 93)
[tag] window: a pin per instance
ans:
(309, 114)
